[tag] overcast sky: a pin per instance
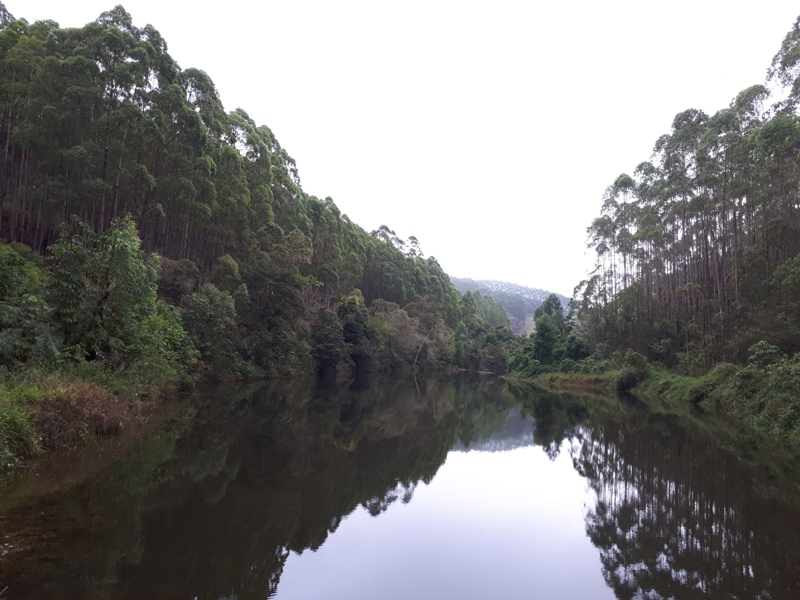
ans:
(488, 130)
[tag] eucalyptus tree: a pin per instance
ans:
(99, 127)
(686, 247)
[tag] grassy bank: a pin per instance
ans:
(760, 397)
(752, 409)
(55, 411)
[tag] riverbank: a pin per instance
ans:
(753, 410)
(44, 413)
(52, 412)
(227, 477)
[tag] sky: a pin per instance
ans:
(487, 129)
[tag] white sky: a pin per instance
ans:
(487, 129)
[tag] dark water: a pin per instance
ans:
(466, 489)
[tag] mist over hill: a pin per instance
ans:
(519, 301)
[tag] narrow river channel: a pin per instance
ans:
(472, 488)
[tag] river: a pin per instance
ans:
(472, 488)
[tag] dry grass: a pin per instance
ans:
(68, 413)
(578, 384)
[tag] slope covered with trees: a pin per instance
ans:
(697, 250)
(698, 262)
(146, 231)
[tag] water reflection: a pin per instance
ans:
(220, 502)
(505, 524)
(212, 507)
(675, 516)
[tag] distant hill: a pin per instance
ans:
(517, 432)
(519, 301)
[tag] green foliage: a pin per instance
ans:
(482, 336)
(761, 397)
(177, 280)
(552, 308)
(554, 346)
(634, 369)
(331, 352)
(225, 275)
(211, 319)
(165, 347)
(18, 437)
(101, 124)
(26, 334)
(394, 337)
(352, 314)
(576, 348)
(523, 365)
(545, 339)
(762, 354)
(102, 289)
(20, 271)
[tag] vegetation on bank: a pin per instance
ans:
(149, 237)
(697, 251)
(757, 403)
(696, 288)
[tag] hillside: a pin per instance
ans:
(698, 248)
(519, 301)
(134, 206)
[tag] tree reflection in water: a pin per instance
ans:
(212, 507)
(260, 472)
(675, 516)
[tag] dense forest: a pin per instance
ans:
(146, 227)
(697, 250)
(695, 294)
(149, 235)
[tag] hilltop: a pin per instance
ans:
(519, 301)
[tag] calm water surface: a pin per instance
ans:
(465, 489)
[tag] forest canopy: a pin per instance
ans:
(697, 249)
(132, 203)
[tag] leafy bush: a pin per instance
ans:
(211, 319)
(164, 347)
(102, 290)
(635, 369)
(26, 333)
(764, 394)
(762, 354)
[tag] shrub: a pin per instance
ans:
(71, 411)
(762, 354)
(635, 369)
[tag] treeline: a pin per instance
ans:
(145, 225)
(554, 346)
(697, 251)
